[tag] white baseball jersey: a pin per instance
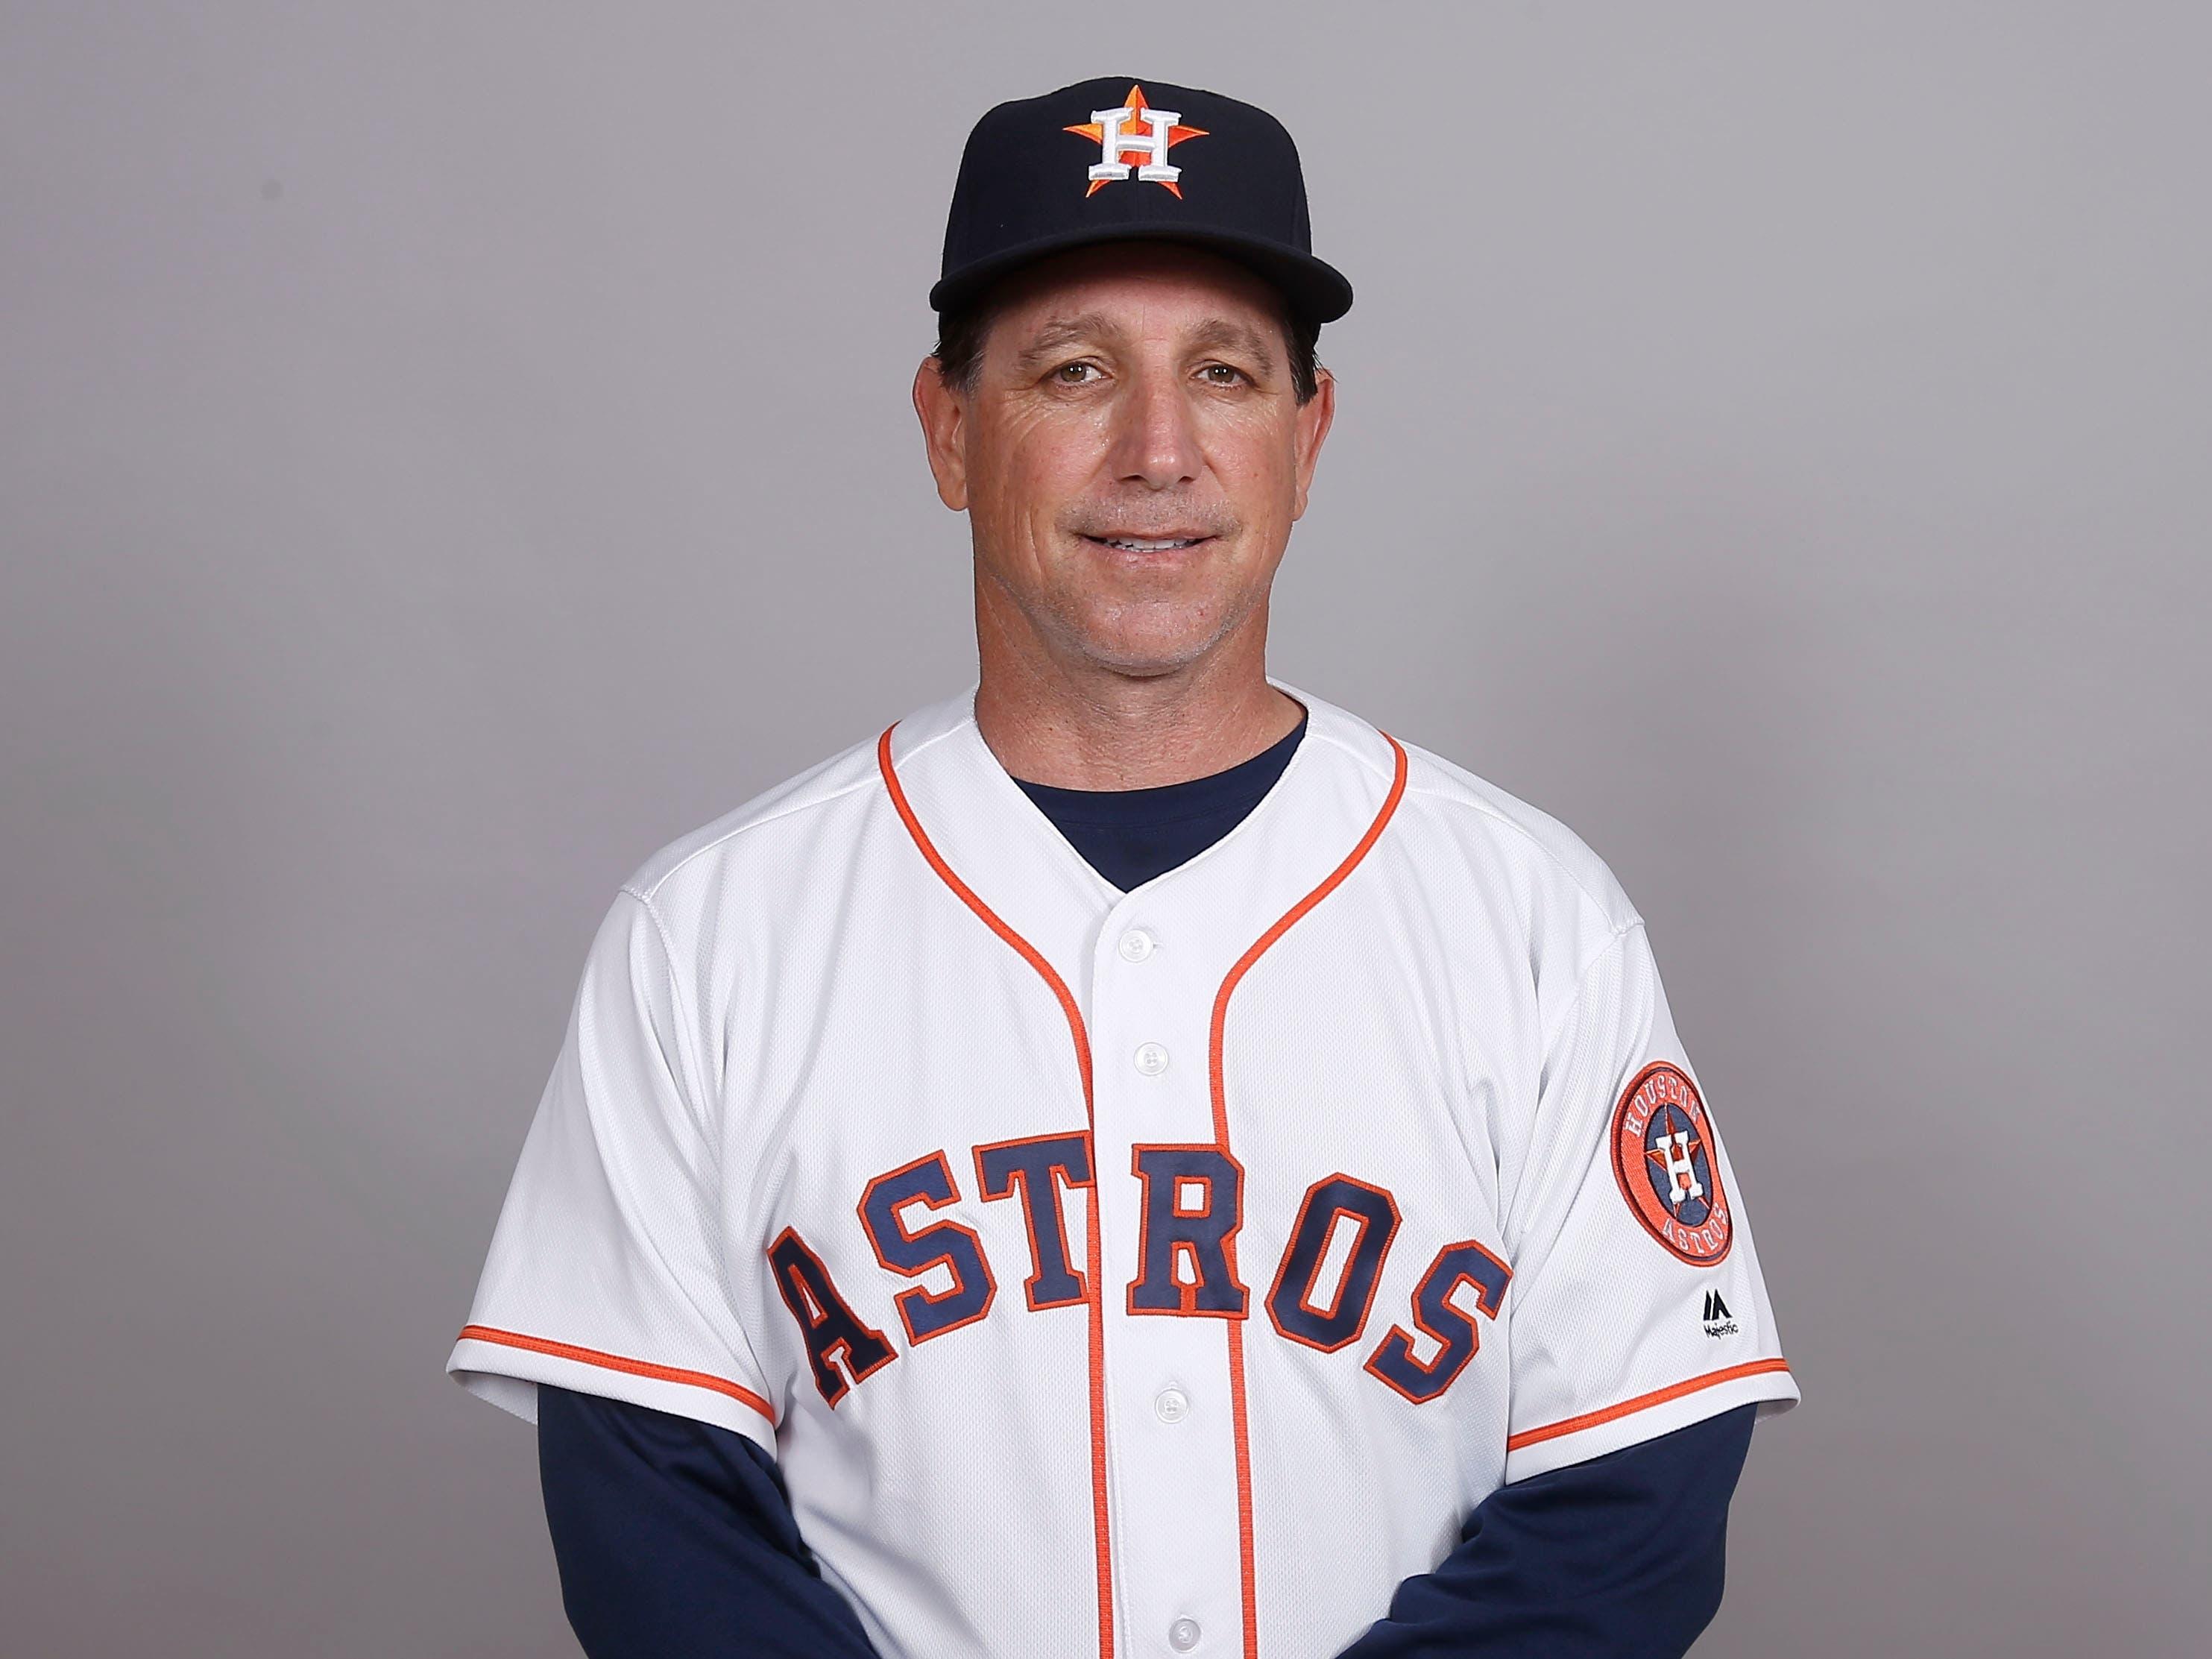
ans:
(1112, 1274)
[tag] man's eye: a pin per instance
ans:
(1075, 374)
(1221, 374)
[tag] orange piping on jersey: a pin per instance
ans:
(1643, 1401)
(1238, 1418)
(615, 1362)
(1096, 1275)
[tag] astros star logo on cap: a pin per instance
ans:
(1134, 130)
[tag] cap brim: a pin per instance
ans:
(1317, 291)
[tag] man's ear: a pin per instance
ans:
(1313, 418)
(943, 431)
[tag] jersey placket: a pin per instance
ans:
(1165, 969)
(1145, 987)
(1170, 1431)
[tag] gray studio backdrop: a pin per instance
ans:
(449, 451)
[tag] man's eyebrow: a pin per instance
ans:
(1062, 332)
(1220, 334)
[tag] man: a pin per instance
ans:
(1135, 1160)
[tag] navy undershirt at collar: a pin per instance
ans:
(1131, 835)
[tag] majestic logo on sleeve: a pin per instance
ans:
(1135, 138)
(1662, 1156)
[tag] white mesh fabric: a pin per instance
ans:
(1605, 1317)
(604, 1271)
(793, 1002)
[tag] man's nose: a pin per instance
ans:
(1154, 439)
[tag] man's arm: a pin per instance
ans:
(675, 1540)
(1620, 1557)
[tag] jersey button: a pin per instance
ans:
(1136, 945)
(1183, 1635)
(1151, 1058)
(1172, 1405)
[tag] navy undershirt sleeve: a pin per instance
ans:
(675, 1539)
(1617, 1558)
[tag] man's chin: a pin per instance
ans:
(1147, 653)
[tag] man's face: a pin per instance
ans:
(1131, 456)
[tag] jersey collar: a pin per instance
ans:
(1008, 853)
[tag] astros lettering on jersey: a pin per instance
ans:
(1121, 1273)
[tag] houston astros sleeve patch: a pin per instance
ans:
(1662, 1159)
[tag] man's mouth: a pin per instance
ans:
(1147, 543)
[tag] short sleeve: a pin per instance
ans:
(605, 1270)
(1636, 1305)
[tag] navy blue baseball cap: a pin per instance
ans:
(1119, 159)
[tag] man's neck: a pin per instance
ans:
(1100, 730)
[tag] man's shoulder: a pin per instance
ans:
(805, 806)
(1501, 830)
(776, 838)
